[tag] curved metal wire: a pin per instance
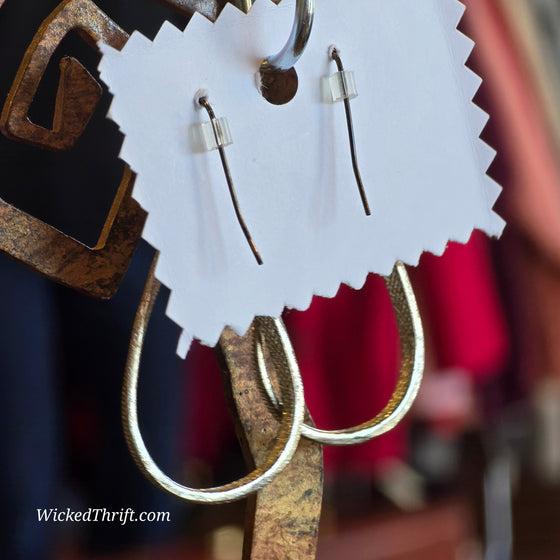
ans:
(289, 429)
(206, 104)
(292, 51)
(335, 55)
(412, 366)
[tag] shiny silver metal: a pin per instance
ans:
(289, 430)
(412, 367)
(292, 51)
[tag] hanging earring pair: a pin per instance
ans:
(271, 342)
(340, 86)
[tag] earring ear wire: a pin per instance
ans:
(343, 88)
(222, 138)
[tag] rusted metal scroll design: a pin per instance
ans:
(96, 271)
(78, 92)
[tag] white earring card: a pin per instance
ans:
(417, 131)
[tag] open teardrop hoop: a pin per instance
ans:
(412, 367)
(288, 436)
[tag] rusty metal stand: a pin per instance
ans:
(283, 518)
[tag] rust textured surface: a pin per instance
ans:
(96, 271)
(283, 518)
(208, 8)
(78, 93)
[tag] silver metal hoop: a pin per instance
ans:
(292, 51)
(412, 367)
(289, 428)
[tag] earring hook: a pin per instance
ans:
(203, 101)
(292, 51)
(335, 55)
